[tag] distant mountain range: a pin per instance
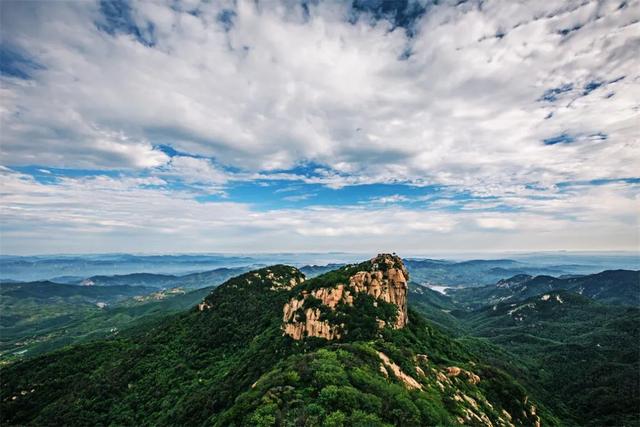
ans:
(71, 268)
(486, 272)
(612, 286)
(192, 281)
(48, 267)
(56, 291)
(37, 317)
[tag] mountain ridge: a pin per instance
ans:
(611, 286)
(229, 363)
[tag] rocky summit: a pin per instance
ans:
(383, 277)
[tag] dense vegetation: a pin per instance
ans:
(583, 353)
(436, 307)
(231, 365)
(42, 316)
(621, 287)
(191, 281)
(558, 356)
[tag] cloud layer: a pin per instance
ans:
(525, 114)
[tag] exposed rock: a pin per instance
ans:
(442, 377)
(312, 326)
(386, 281)
(422, 358)
(471, 377)
(408, 381)
(507, 415)
(384, 371)
(279, 282)
(453, 371)
(204, 305)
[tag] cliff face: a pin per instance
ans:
(310, 323)
(383, 277)
(387, 281)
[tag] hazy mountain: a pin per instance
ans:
(612, 286)
(42, 316)
(193, 280)
(48, 267)
(316, 270)
(475, 272)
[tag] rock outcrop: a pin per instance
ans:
(388, 365)
(387, 281)
(385, 278)
(312, 325)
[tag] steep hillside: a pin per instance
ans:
(62, 292)
(42, 316)
(436, 307)
(583, 353)
(612, 286)
(232, 360)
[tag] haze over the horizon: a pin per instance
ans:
(239, 126)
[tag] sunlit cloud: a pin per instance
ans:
(278, 125)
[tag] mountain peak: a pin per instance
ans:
(375, 290)
(518, 279)
(278, 277)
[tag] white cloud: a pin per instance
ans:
(102, 214)
(464, 110)
(277, 89)
(395, 198)
(298, 197)
(497, 223)
(194, 170)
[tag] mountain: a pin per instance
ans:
(271, 348)
(42, 316)
(612, 286)
(193, 280)
(55, 291)
(44, 267)
(316, 270)
(475, 272)
(436, 307)
(582, 352)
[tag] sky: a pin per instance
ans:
(265, 126)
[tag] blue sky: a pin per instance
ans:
(243, 126)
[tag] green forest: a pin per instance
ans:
(569, 363)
